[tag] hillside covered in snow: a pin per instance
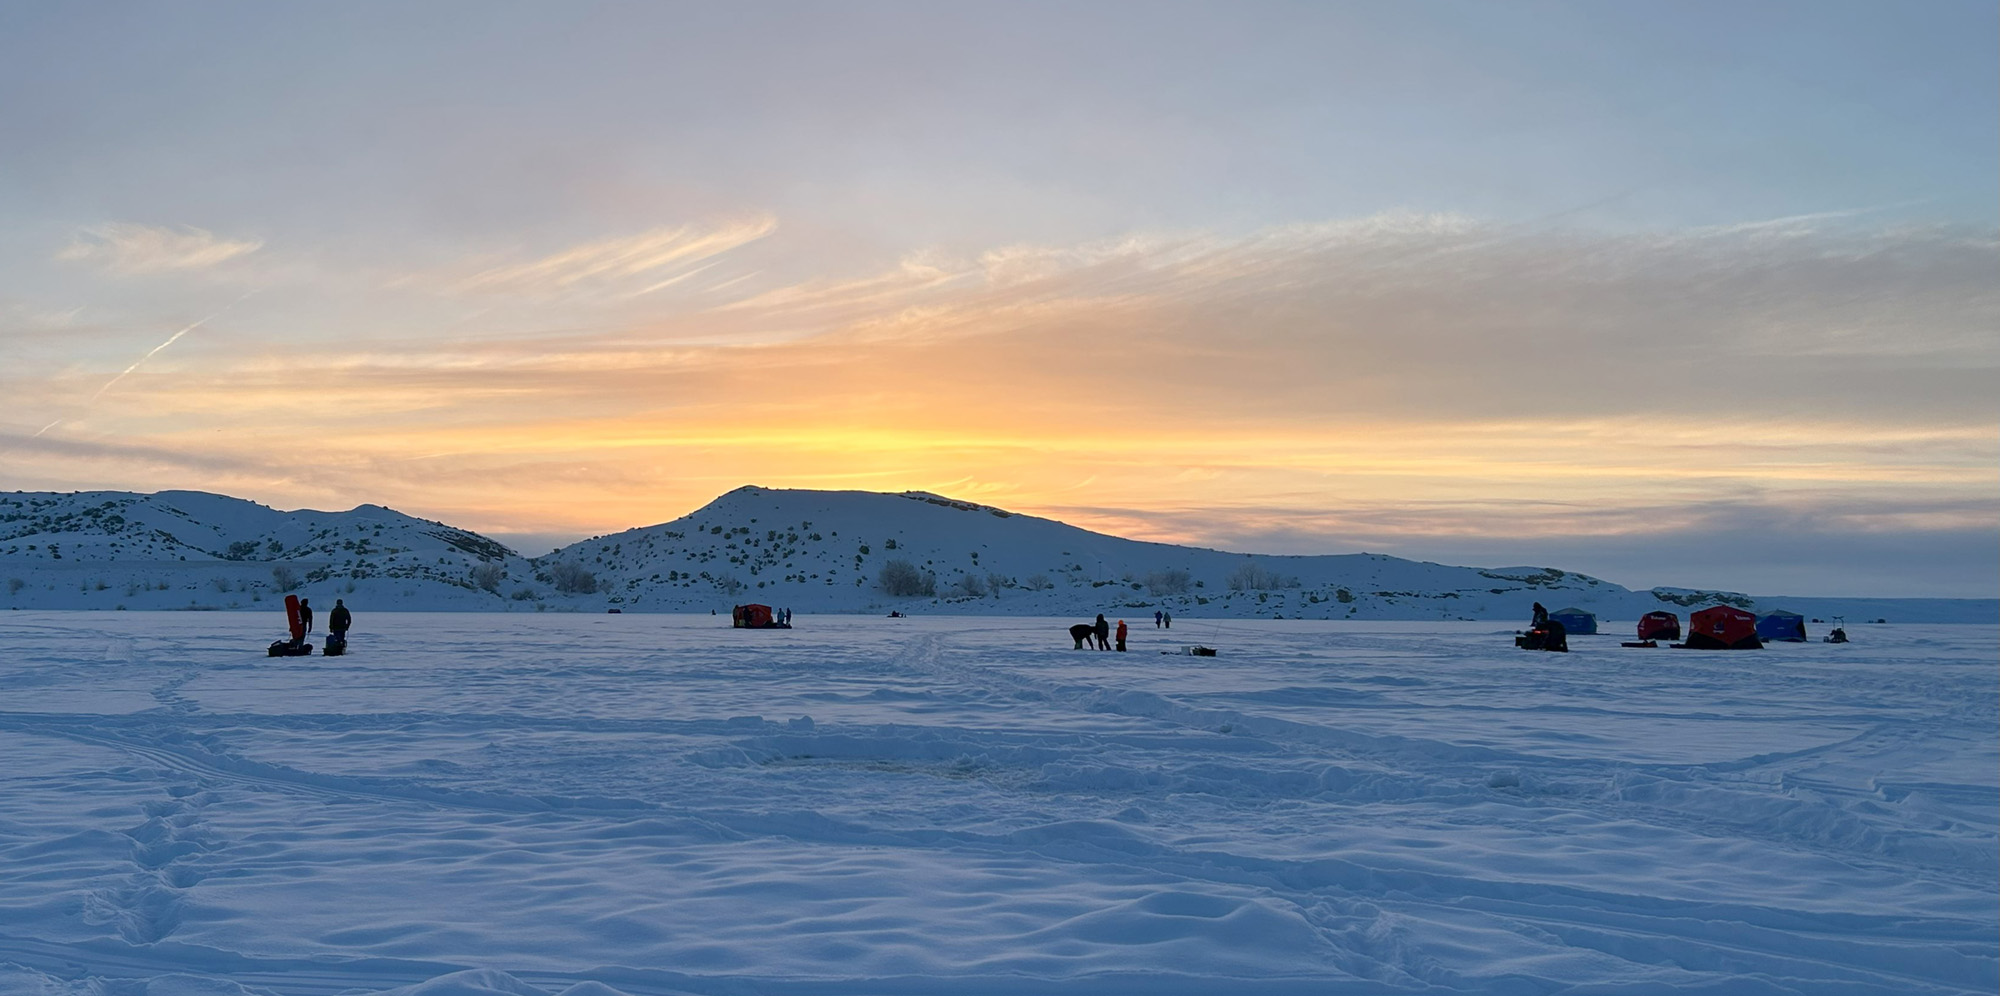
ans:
(811, 551)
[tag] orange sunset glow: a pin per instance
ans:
(609, 333)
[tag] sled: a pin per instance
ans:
(1641, 643)
(289, 648)
(336, 645)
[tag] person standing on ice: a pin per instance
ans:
(1168, 618)
(306, 614)
(339, 619)
(1103, 633)
(1121, 634)
(1157, 616)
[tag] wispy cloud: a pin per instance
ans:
(628, 265)
(131, 248)
(1418, 380)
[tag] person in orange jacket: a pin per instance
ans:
(1121, 634)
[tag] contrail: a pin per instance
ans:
(51, 425)
(199, 323)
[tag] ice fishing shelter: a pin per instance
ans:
(1575, 621)
(753, 617)
(1782, 625)
(1722, 627)
(1659, 626)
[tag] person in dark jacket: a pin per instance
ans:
(1541, 617)
(339, 619)
(306, 615)
(1103, 632)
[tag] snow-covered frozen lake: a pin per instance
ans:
(650, 804)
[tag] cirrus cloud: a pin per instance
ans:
(620, 266)
(125, 247)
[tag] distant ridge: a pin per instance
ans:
(811, 551)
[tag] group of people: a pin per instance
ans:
(337, 621)
(299, 617)
(1099, 633)
(1163, 619)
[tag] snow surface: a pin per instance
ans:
(651, 804)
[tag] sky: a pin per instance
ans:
(1693, 294)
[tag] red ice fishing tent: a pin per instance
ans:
(1723, 627)
(1659, 626)
(755, 617)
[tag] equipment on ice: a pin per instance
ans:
(1722, 627)
(1575, 620)
(1788, 627)
(1839, 632)
(1654, 627)
(1659, 626)
(756, 617)
(297, 645)
(1548, 636)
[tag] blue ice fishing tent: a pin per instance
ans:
(1575, 620)
(1782, 625)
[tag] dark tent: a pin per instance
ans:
(1659, 626)
(1722, 627)
(1781, 625)
(1575, 620)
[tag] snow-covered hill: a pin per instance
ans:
(833, 550)
(191, 549)
(810, 551)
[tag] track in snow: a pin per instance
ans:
(663, 805)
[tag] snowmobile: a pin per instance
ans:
(1548, 636)
(1839, 632)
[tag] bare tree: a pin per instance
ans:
(284, 577)
(572, 579)
(1171, 581)
(1256, 577)
(489, 576)
(900, 579)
